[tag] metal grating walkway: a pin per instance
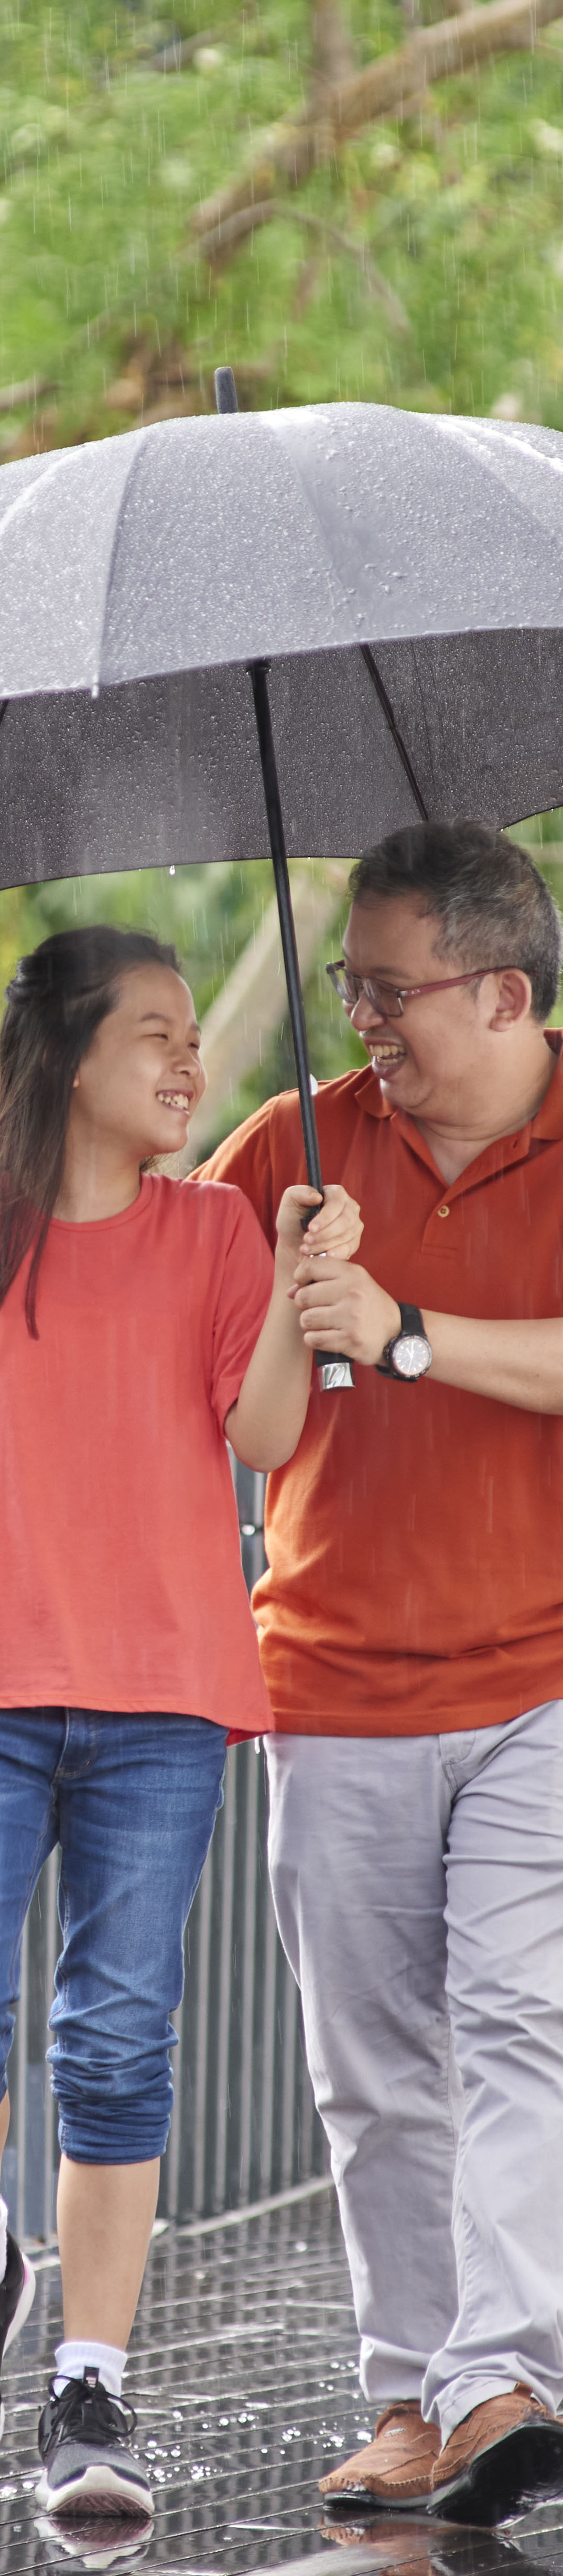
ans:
(243, 2371)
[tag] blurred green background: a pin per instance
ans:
(420, 263)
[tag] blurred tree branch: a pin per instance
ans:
(391, 86)
(31, 390)
(454, 45)
(220, 243)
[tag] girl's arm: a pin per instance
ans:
(266, 1422)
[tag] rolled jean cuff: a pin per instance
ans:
(127, 2131)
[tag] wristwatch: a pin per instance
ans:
(409, 1355)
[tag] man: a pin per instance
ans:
(411, 1631)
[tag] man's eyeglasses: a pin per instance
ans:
(388, 999)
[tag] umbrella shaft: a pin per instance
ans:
(258, 676)
(334, 1369)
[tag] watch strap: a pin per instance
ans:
(411, 1320)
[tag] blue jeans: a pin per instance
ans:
(132, 1802)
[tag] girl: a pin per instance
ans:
(141, 1321)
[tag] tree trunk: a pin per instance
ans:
(333, 53)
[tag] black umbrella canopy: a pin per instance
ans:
(401, 573)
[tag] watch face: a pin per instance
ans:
(411, 1355)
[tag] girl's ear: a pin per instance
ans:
(76, 1082)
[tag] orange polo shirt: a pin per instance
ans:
(415, 1540)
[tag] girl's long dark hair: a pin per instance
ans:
(57, 998)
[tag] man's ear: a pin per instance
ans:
(513, 998)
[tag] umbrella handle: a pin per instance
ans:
(335, 1370)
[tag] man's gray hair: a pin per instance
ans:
(491, 906)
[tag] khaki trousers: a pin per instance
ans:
(418, 1888)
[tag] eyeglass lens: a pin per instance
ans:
(383, 997)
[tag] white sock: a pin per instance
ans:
(72, 2359)
(3, 2234)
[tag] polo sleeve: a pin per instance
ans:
(242, 1302)
(245, 1158)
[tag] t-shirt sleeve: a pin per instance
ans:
(242, 1303)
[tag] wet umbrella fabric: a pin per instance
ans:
(378, 560)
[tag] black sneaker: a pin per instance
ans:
(17, 2293)
(89, 2464)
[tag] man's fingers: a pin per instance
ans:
(318, 1295)
(321, 1319)
(319, 1334)
(324, 1306)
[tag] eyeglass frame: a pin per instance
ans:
(403, 992)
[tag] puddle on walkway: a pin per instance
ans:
(243, 2373)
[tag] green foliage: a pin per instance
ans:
(208, 912)
(459, 212)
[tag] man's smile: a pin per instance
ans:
(385, 1054)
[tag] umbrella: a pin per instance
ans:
(388, 586)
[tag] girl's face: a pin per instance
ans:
(142, 1076)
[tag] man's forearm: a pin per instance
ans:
(510, 1362)
(513, 1362)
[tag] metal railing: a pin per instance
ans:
(244, 2122)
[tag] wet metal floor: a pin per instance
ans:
(243, 2373)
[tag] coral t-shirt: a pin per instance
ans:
(122, 1585)
(415, 1539)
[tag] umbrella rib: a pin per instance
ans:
(140, 436)
(400, 746)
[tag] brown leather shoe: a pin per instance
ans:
(506, 2453)
(395, 2469)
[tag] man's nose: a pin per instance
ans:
(364, 1014)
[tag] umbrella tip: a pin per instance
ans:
(225, 389)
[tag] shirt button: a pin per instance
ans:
(442, 1211)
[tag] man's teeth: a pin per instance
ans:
(392, 1054)
(174, 1099)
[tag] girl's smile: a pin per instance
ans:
(181, 1100)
